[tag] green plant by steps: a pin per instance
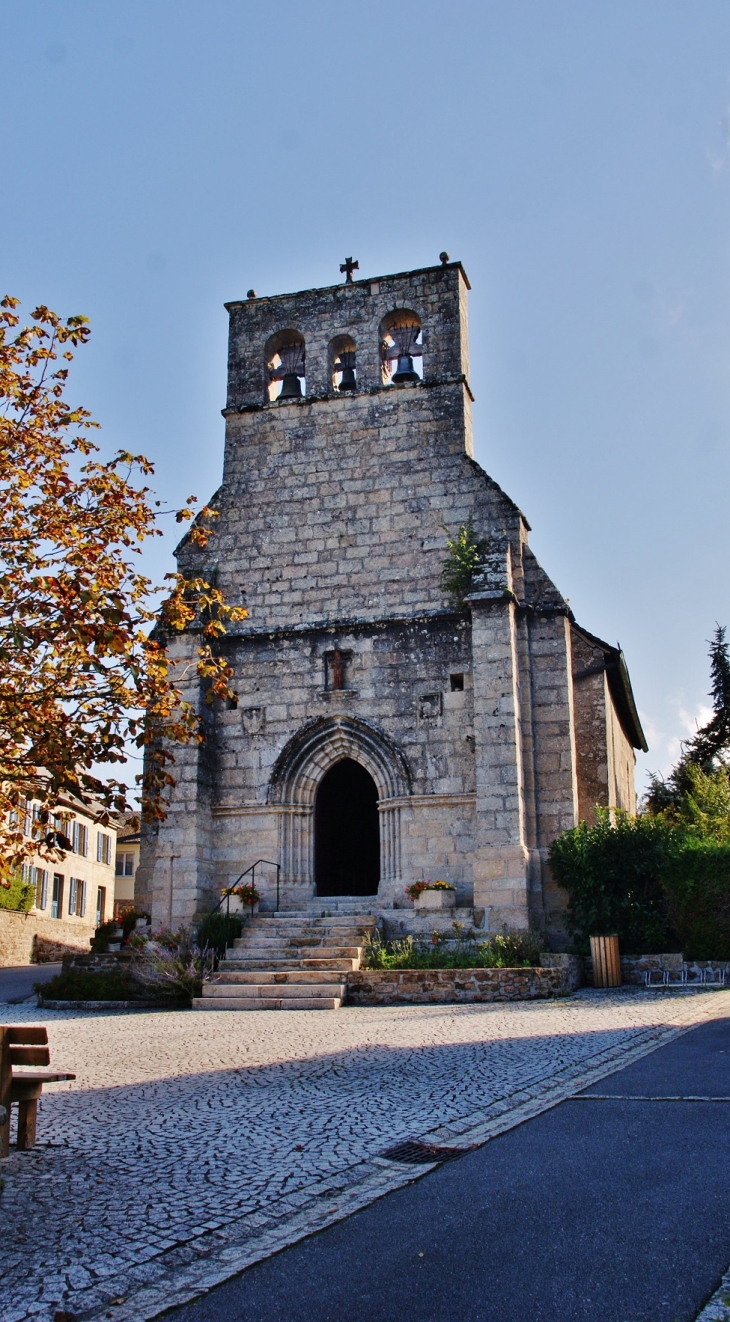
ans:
(502, 951)
(219, 930)
(466, 553)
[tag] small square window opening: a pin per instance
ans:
(457, 683)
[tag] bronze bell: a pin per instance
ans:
(405, 370)
(291, 387)
(346, 365)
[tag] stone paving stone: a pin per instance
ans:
(191, 1145)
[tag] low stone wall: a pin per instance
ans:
(633, 967)
(31, 938)
(444, 986)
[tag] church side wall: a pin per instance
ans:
(592, 704)
(622, 763)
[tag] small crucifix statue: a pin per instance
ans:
(348, 266)
(338, 669)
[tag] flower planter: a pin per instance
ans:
(428, 901)
(606, 961)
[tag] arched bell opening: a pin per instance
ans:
(401, 347)
(343, 363)
(285, 365)
(346, 831)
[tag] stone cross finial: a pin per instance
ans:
(348, 266)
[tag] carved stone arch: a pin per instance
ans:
(297, 774)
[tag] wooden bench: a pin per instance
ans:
(23, 1045)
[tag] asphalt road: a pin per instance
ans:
(16, 983)
(601, 1210)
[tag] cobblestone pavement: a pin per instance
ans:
(192, 1145)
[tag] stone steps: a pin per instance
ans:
(235, 1003)
(240, 965)
(291, 961)
(276, 951)
(277, 977)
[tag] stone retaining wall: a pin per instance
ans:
(442, 986)
(30, 938)
(633, 967)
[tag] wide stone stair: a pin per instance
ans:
(289, 961)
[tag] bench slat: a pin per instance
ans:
(24, 1076)
(20, 1036)
(30, 1056)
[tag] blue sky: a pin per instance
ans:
(161, 157)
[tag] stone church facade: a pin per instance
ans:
(381, 734)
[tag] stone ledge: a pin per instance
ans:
(444, 986)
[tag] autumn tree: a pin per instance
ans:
(83, 673)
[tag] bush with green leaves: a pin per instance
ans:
(218, 931)
(612, 872)
(696, 881)
(16, 894)
(87, 985)
(465, 555)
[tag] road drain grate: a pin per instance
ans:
(421, 1154)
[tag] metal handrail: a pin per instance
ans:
(230, 889)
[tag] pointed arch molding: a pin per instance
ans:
(298, 771)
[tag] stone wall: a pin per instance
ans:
(444, 986)
(633, 967)
(29, 938)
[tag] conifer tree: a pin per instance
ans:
(706, 753)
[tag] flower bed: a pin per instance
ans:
(558, 977)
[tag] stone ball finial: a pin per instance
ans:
(444, 257)
(250, 293)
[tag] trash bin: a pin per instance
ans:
(606, 961)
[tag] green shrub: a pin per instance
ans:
(19, 895)
(218, 931)
(84, 985)
(696, 877)
(612, 872)
(465, 554)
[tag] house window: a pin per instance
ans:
(100, 905)
(103, 847)
(76, 897)
(57, 896)
(41, 888)
(457, 683)
(79, 838)
(125, 865)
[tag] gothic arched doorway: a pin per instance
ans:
(346, 831)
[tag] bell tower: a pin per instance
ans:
(372, 706)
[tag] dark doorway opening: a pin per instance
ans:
(346, 832)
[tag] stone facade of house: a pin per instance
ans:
(382, 732)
